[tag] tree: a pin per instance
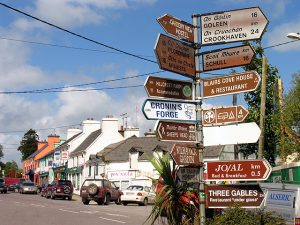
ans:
(10, 169)
(29, 143)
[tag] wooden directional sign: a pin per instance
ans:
(188, 174)
(241, 133)
(223, 115)
(231, 84)
(185, 154)
(175, 56)
(227, 58)
(169, 110)
(238, 170)
(231, 26)
(174, 131)
(223, 196)
(176, 27)
(169, 88)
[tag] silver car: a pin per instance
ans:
(28, 187)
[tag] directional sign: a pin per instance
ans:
(175, 56)
(169, 110)
(241, 133)
(238, 170)
(188, 174)
(228, 57)
(219, 116)
(169, 88)
(231, 84)
(231, 26)
(223, 196)
(176, 27)
(173, 131)
(185, 154)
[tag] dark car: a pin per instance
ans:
(101, 191)
(3, 186)
(60, 188)
(12, 187)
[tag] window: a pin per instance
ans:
(90, 170)
(96, 168)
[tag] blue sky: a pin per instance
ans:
(129, 25)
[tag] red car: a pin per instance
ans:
(59, 189)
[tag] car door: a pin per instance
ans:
(151, 195)
(114, 191)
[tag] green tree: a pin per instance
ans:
(253, 100)
(29, 143)
(10, 169)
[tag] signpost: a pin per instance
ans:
(169, 88)
(219, 116)
(185, 154)
(188, 174)
(241, 133)
(223, 196)
(231, 26)
(231, 84)
(175, 56)
(238, 170)
(228, 57)
(173, 131)
(176, 27)
(169, 110)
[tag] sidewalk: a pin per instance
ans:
(76, 197)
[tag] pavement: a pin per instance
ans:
(76, 197)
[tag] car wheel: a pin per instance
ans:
(92, 189)
(70, 198)
(118, 201)
(145, 201)
(124, 203)
(107, 199)
(85, 201)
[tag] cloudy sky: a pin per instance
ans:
(37, 56)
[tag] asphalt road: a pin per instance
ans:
(18, 209)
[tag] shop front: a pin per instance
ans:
(60, 173)
(75, 176)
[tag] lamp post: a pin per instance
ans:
(295, 36)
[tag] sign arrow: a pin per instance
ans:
(185, 154)
(169, 88)
(241, 133)
(232, 26)
(224, 115)
(176, 27)
(227, 58)
(231, 84)
(238, 170)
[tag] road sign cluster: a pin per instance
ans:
(175, 103)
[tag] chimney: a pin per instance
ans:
(52, 139)
(41, 144)
(72, 131)
(90, 125)
(110, 125)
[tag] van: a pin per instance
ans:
(284, 200)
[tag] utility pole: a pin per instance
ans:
(235, 147)
(199, 124)
(262, 107)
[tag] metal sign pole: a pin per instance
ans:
(199, 124)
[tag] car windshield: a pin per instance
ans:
(28, 184)
(99, 183)
(135, 188)
(1, 181)
(64, 182)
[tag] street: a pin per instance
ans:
(28, 209)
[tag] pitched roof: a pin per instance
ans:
(70, 139)
(86, 143)
(37, 152)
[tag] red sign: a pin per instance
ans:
(227, 58)
(218, 116)
(231, 84)
(174, 131)
(185, 154)
(175, 56)
(176, 27)
(223, 196)
(238, 170)
(169, 88)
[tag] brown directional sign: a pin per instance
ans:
(231, 84)
(174, 131)
(175, 56)
(231, 26)
(227, 58)
(218, 116)
(169, 88)
(185, 154)
(176, 27)
(223, 196)
(188, 174)
(238, 170)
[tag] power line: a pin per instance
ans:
(77, 35)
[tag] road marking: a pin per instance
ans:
(67, 211)
(38, 205)
(118, 221)
(116, 215)
(89, 212)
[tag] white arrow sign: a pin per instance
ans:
(241, 133)
(169, 110)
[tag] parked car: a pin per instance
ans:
(12, 187)
(28, 187)
(101, 191)
(60, 188)
(3, 186)
(138, 194)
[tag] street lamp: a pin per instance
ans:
(295, 36)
